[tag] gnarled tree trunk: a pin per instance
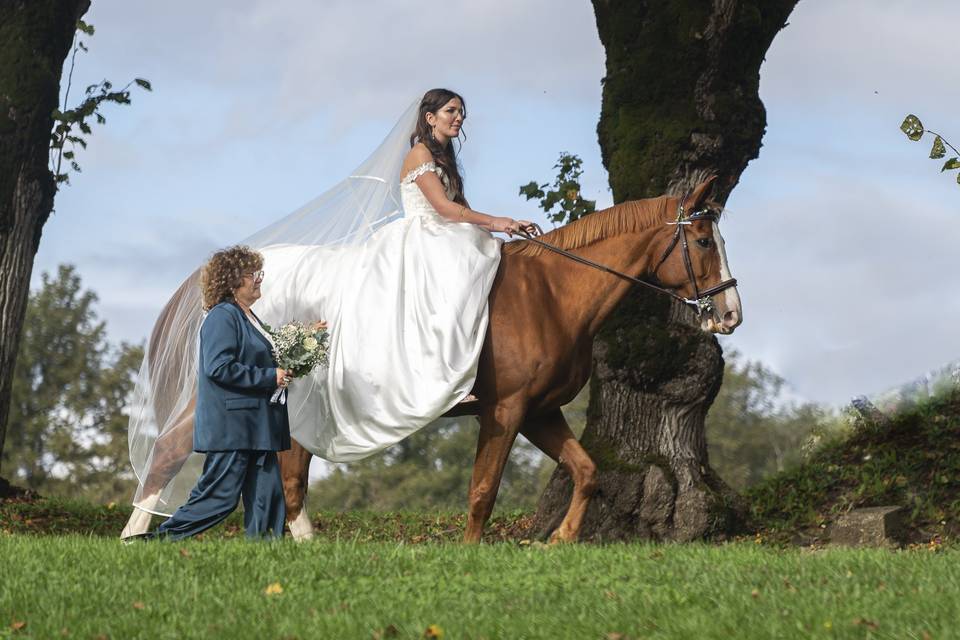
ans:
(680, 101)
(35, 37)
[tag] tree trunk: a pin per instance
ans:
(35, 37)
(680, 102)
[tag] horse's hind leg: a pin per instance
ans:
(551, 434)
(295, 470)
(170, 451)
(498, 430)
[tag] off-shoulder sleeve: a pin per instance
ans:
(419, 171)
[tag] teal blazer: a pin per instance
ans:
(237, 376)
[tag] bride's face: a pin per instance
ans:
(447, 120)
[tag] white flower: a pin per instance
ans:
(310, 343)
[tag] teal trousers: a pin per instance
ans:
(227, 476)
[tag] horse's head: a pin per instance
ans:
(693, 262)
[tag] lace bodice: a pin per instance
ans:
(414, 202)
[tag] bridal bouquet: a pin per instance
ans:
(298, 349)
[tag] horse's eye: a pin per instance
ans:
(706, 243)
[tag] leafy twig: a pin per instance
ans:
(915, 130)
(68, 119)
(565, 192)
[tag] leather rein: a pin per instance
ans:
(702, 300)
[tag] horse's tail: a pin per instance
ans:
(171, 348)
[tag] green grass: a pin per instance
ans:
(87, 587)
(60, 516)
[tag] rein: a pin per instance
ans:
(702, 299)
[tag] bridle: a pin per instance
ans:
(702, 301)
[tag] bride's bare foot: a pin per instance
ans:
(470, 398)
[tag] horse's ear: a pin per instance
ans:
(695, 199)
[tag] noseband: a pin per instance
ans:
(702, 300)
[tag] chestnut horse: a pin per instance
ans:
(545, 310)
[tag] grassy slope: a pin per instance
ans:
(912, 459)
(95, 587)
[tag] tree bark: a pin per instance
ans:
(35, 37)
(680, 102)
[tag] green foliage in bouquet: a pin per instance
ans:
(298, 348)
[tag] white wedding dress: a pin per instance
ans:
(407, 311)
(403, 290)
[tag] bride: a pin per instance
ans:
(404, 290)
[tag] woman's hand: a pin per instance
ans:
(284, 377)
(318, 325)
(510, 226)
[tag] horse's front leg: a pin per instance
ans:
(498, 429)
(295, 471)
(551, 434)
(170, 451)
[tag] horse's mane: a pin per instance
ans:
(628, 217)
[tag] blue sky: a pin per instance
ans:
(842, 233)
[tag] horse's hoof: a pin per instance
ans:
(301, 528)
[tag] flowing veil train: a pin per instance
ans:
(343, 217)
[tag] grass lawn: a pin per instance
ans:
(87, 587)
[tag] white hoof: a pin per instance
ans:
(300, 527)
(139, 521)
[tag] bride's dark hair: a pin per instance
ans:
(444, 156)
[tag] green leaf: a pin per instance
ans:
(68, 155)
(958, 178)
(912, 127)
(529, 190)
(143, 83)
(938, 150)
(85, 27)
(952, 163)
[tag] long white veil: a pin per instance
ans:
(161, 428)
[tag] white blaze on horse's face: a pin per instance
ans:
(727, 314)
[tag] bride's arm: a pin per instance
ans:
(432, 188)
(436, 195)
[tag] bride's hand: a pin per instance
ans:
(510, 226)
(530, 228)
(318, 325)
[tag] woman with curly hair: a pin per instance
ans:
(236, 426)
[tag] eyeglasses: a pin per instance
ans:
(256, 275)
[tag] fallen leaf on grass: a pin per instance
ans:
(611, 595)
(139, 605)
(273, 589)
(613, 635)
(184, 553)
(755, 593)
(389, 631)
(869, 624)
(433, 631)
(18, 625)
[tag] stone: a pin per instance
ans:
(869, 526)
